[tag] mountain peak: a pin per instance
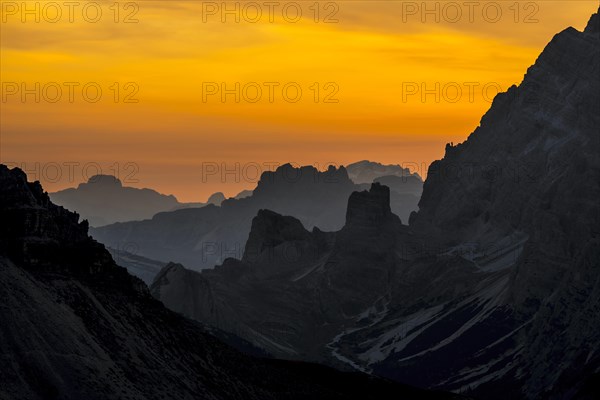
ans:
(169, 269)
(216, 198)
(270, 229)
(370, 208)
(593, 26)
(22, 193)
(104, 200)
(366, 171)
(288, 177)
(514, 153)
(105, 180)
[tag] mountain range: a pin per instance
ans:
(203, 237)
(492, 289)
(77, 326)
(103, 200)
(366, 171)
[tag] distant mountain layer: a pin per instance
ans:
(493, 288)
(242, 194)
(368, 171)
(201, 238)
(103, 200)
(77, 326)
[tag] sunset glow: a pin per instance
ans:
(361, 80)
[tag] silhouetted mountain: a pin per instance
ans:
(528, 183)
(405, 187)
(216, 199)
(201, 238)
(77, 326)
(494, 288)
(295, 292)
(405, 193)
(242, 194)
(103, 200)
(368, 171)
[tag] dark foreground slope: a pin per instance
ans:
(74, 325)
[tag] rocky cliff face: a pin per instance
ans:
(77, 326)
(537, 143)
(532, 169)
(491, 289)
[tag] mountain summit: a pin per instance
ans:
(103, 180)
(103, 200)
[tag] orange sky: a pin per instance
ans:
(355, 63)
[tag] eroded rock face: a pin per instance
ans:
(77, 326)
(534, 151)
(533, 167)
(493, 288)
